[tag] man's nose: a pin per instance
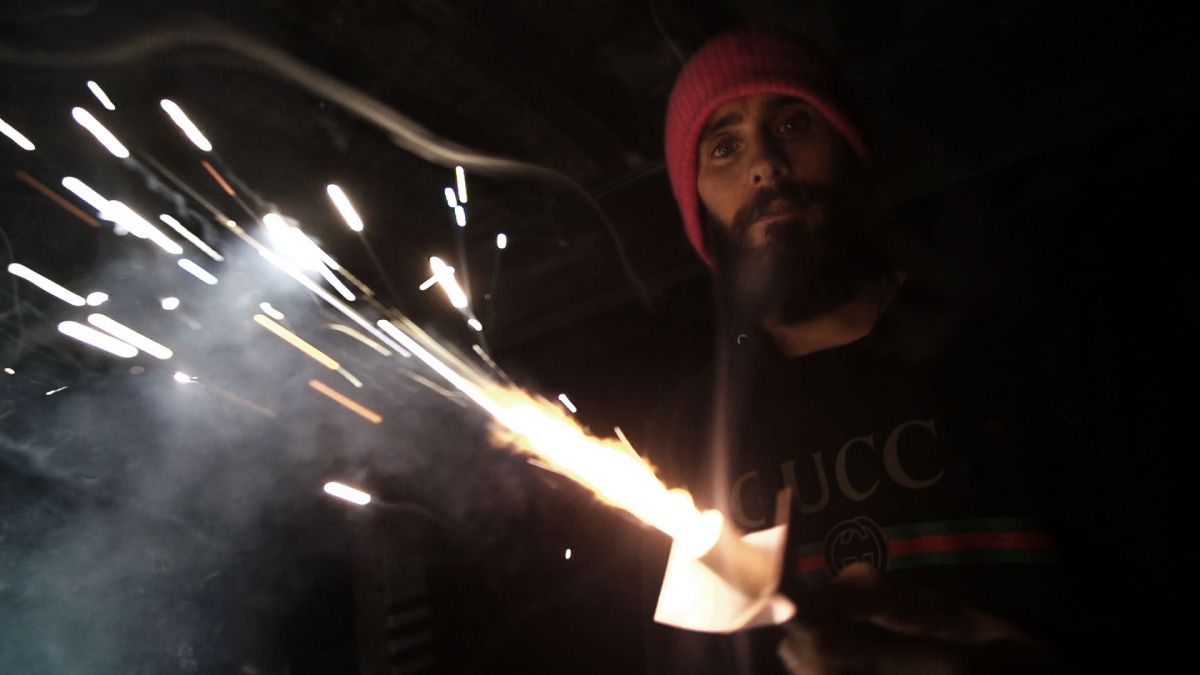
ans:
(769, 162)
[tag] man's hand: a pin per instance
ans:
(864, 623)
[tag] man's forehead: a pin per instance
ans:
(734, 111)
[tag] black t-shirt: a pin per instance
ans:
(952, 450)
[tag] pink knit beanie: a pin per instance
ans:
(740, 63)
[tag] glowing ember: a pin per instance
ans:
(106, 138)
(461, 177)
(344, 207)
(127, 334)
(101, 96)
(347, 493)
(99, 340)
(187, 234)
(185, 124)
(19, 138)
(19, 270)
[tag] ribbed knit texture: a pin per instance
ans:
(740, 63)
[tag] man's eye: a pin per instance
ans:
(795, 123)
(722, 150)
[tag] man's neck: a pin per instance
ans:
(848, 323)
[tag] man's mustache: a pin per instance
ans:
(799, 194)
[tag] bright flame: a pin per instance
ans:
(198, 271)
(451, 199)
(608, 467)
(185, 124)
(502, 241)
(344, 207)
(126, 334)
(187, 234)
(170, 304)
(19, 270)
(567, 402)
(297, 342)
(270, 311)
(96, 298)
(460, 216)
(19, 138)
(347, 493)
(95, 338)
(100, 95)
(106, 138)
(461, 177)
(445, 278)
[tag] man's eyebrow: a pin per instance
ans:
(720, 123)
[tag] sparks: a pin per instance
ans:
(185, 124)
(347, 330)
(182, 377)
(451, 199)
(96, 298)
(126, 334)
(346, 402)
(87, 194)
(344, 207)
(613, 472)
(567, 403)
(567, 554)
(502, 241)
(19, 138)
(124, 216)
(187, 234)
(270, 311)
(10, 371)
(54, 391)
(198, 271)
(347, 493)
(460, 216)
(95, 338)
(100, 95)
(445, 278)
(461, 177)
(19, 270)
(106, 138)
(474, 323)
(170, 303)
(297, 342)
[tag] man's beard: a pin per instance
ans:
(797, 270)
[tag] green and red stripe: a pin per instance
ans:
(949, 542)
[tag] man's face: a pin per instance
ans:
(776, 187)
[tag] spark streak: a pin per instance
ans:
(445, 278)
(139, 226)
(87, 194)
(502, 241)
(19, 270)
(344, 207)
(19, 138)
(349, 403)
(198, 271)
(297, 342)
(347, 330)
(347, 493)
(187, 234)
(185, 124)
(451, 199)
(96, 298)
(567, 402)
(106, 137)
(95, 338)
(461, 177)
(100, 95)
(474, 323)
(460, 216)
(270, 311)
(170, 303)
(126, 334)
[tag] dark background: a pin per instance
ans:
(1030, 143)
